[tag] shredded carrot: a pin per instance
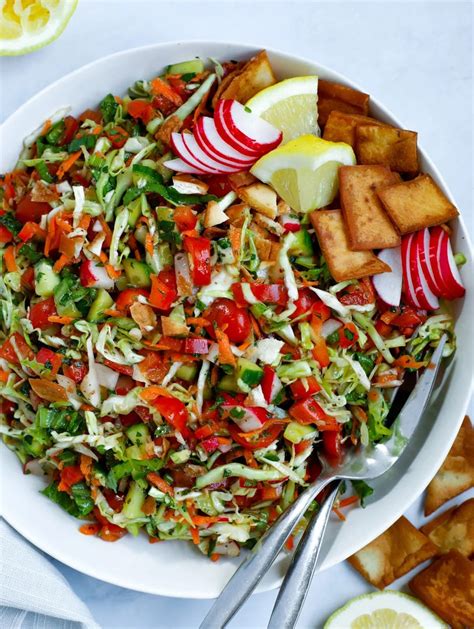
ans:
(63, 225)
(90, 529)
(214, 375)
(256, 328)
(226, 357)
(111, 272)
(244, 346)
(106, 230)
(408, 362)
(200, 321)
(153, 391)
(46, 127)
(85, 221)
(195, 535)
(156, 480)
(63, 320)
(215, 557)
(149, 244)
(66, 165)
(86, 407)
(290, 543)
(265, 426)
(250, 459)
(97, 130)
(10, 261)
(61, 263)
(110, 312)
(235, 235)
(348, 501)
(339, 514)
(85, 465)
(3, 375)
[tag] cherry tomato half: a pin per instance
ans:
(41, 311)
(228, 317)
(28, 210)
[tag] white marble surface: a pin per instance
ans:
(416, 57)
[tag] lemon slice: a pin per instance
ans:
(26, 25)
(304, 171)
(291, 106)
(388, 609)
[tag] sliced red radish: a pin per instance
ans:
(253, 418)
(203, 158)
(408, 289)
(449, 271)
(289, 223)
(91, 274)
(228, 136)
(180, 148)
(389, 285)
(249, 129)
(423, 237)
(437, 235)
(211, 142)
(181, 166)
(425, 297)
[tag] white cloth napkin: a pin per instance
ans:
(33, 593)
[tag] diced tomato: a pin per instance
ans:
(359, 294)
(382, 328)
(130, 419)
(144, 414)
(266, 293)
(332, 444)
(199, 250)
(304, 388)
(41, 311)
(71, 125)
(219, 185)
(254, 442)
(124, 385)
(184, 218)
(141, 109)
(348, 335)
(268, 493)
(227, 316)
(117, 137)
(205, 431)
(49, 358)
(174, 412)
(308, 302)
(7, 350)
(28, 278)
(70, 476)
(128, 296)
(115, 500)
(408, 318)
(108, 532)
(308, 411)
(28, 210)
(91, 114)
(153, 366)
(125, 369)
(5, 234)
(196, 346)
(76, 370)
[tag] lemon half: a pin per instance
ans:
(291, 106)
(304, 171)
(387, 610)
(26, 25)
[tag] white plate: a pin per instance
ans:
(176, 568)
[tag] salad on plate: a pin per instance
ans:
(204, 284)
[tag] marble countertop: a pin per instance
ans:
(415, 57)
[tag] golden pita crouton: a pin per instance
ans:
(344, 264)
(447, 587)
(453, 529)
(368, 225)
(233, 70)
(395, 148)
(413, 205)
(335, 96)
(256, 75)
(340, 127)
(260, 197)
(394, 553)
(456, 475)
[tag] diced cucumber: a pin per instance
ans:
(132, 506)
(187, 372)
(101, 303)
(228, 383)
(134, 452)
(134, 211)
(296, 433)
(138, 434)
(180, 457)
(195, 66)
(302, 244)
(164, 254)
(62, 299)
(166, 173)
(250, 373)
(46, 279)
(207, 393)
(137, 272)
(164, 213)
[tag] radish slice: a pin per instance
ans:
(423, 239)
(449, 270)
(211, 142)
(389, 285)
(425, 297)
(182, 167)
(228, 136)
(249, 129)
(180, 148)
(203, 158)
(408, 289)
(437, 236)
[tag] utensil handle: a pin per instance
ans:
(259, 561)
(298, 578)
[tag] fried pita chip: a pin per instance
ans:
(413, 205)
(395, 148)
(335, 96)
(368, 225)
(340, 126)
(453, 529)
(447, 587)
(227, 80)
(456, 475)
(394, 553)
(256, 75)
(260, 197)
(344, 264)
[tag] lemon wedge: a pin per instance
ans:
(388, 609)
(26, 25)
(291, 106)
(304, 171)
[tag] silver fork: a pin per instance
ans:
(362, 464)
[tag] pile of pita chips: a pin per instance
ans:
(456, 475)
(447, 587)
(338, 97)
(247, 79)
(394, 553)
(453, 529)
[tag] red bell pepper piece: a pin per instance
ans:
(304, 388)
(267, 293)
(184, 218)
(174, 412)
(161, 296)
(196, 346)
(348, 335)
(70, 476)
(7, 351)
(270, 384)
(71, 125)
(77, 371)
(308, 411)
(125, 369)
(199, 250)
(49, 358)
(141, 109)
(332, 444)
